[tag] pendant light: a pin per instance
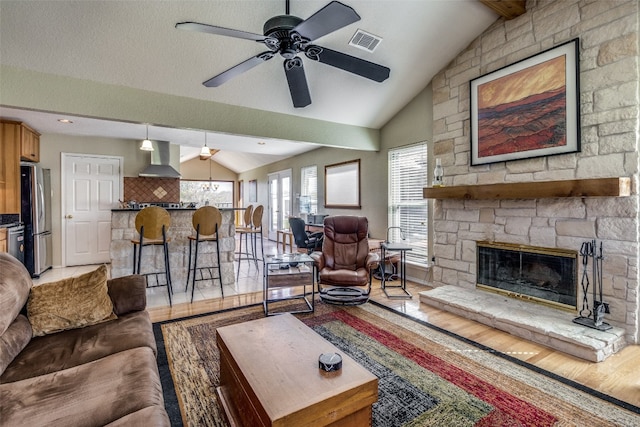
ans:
(205, 152)
(146, 144)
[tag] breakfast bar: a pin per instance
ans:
(121, 249)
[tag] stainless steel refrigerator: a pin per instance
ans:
(36, 216)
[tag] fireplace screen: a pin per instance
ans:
(543, 275)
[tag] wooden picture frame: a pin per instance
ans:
(342, 185)
(527, 109)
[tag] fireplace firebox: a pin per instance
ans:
(543, 275)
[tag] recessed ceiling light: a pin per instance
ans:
(67, 121)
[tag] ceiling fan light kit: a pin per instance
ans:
(289, 36)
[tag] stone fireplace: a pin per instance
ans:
(518, 214)
(544, 275)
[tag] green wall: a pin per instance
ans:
(412, 124)
(46, 92)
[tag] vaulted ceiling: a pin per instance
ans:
(135, 44)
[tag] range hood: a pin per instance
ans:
(160, 157)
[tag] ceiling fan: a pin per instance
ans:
(288, 36)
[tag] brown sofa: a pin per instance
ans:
(98, 375)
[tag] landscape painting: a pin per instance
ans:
(528, 109)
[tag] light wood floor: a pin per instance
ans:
(618, 376)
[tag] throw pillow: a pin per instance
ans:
(70, 303)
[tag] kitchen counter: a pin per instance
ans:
(121, 250)
(169, 209)
(176, 209)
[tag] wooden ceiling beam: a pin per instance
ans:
(508, 9)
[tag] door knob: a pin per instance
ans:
(69, 216)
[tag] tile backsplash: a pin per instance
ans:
(152, 190)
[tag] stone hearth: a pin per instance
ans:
(609, 108)
(544, 325)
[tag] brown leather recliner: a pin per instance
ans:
(345, 264)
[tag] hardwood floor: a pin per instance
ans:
(618, 376)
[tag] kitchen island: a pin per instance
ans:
(121, 250)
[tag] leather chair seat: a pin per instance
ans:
(359, 277)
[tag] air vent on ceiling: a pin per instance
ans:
(365, 41)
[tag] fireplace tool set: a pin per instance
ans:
(592, 318)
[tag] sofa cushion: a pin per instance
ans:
(14, 339)
(70, 303)
(93, 394)
(15, 283)
(128, 293)
(55, 352)
(150, 416)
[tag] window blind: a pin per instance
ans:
(407, 206)
(309, 190)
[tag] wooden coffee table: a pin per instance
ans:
(269, 376)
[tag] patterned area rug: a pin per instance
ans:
(426, 377)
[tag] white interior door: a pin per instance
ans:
(91, 187)
(280, 201)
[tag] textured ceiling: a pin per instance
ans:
(134, 44)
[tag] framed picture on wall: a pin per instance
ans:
(342, 185)
(253, 191)
(527, 109)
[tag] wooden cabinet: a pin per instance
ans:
(10, 137)
(3, 240)
(29, 144)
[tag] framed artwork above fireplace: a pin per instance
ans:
(527, 109)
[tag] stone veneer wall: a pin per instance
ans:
(123, 229)
(608, 32)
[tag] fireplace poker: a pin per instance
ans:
(585, 251)
(594, 276)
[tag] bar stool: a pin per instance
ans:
(246, 217)
(152, 224)
(252, 230)
(206, 222)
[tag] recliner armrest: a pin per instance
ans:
(128, 293)
(318, 259)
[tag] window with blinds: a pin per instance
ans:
(309, 190)
(407, 206)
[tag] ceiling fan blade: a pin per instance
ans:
(348, 63)
(330, 18)
(238, 69)
(220, 31)
(297, 82)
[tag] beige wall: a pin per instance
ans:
(53, 145)
(412, 124)
(199, 170)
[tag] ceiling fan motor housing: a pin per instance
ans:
(279, 26)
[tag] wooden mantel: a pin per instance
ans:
(597, 187)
